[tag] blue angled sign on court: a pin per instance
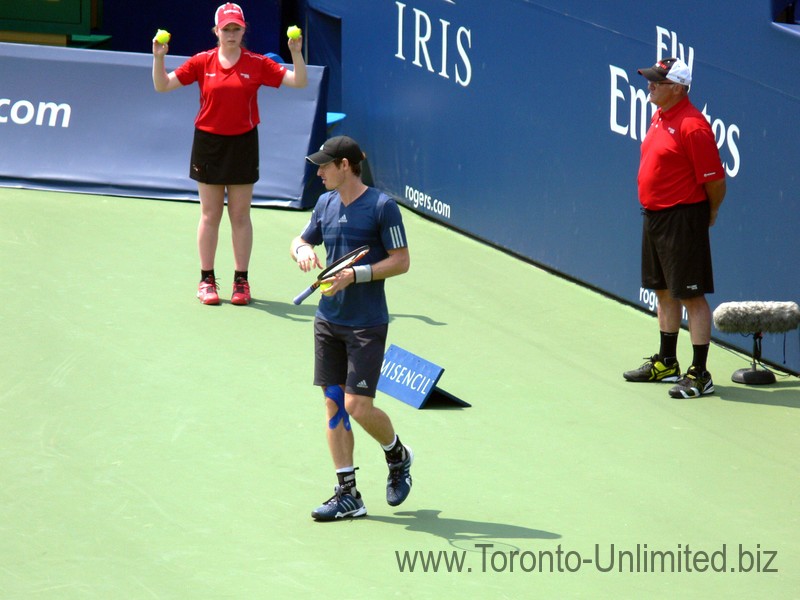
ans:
(412, 379)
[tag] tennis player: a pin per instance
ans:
(225, 153)
(352, 319)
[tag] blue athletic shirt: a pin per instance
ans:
(374, 220)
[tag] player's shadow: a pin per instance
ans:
(462, 530)
(423, 318)
(306, 312)
(286, 310)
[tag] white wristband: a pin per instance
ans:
(362, 273)
(297, 250)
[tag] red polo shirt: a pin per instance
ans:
(679, 155)
(228, 97)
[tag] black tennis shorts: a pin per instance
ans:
(676, 251)
(349, 356)
(225, 159)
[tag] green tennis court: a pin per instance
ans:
(153, 447)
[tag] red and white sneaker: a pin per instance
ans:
(207, 291)
(241, 292)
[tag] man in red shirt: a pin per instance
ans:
(681, 187)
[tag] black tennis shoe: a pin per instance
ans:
(398, 484)
(340, 506)
(694, 384)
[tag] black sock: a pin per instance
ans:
(204, 274)
(700, 356)
(397, 453)
(240, 274)
(669, 348)
(347, 481)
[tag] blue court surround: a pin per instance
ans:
(520, 122)
(90, 121)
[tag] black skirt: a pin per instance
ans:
(224, 159)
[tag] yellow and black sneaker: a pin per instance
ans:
(655, 370)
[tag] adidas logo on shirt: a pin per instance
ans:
(343, 219)
(397, 237)
(362, 384)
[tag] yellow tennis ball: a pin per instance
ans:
(294, 32)
(324, 287)
(163, 36)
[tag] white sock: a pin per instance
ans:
(390, 446)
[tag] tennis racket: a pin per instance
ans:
(348, 260)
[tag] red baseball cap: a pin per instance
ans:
(227, 14)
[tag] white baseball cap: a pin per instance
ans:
(669, 69)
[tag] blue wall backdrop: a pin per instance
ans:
(516, 121)
(90, 121)
(190, 22)
(520, 122)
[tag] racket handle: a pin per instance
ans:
(304, 294)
